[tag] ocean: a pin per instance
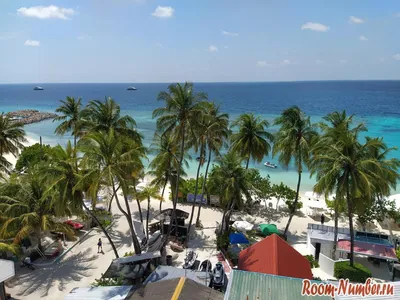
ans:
(376, 103)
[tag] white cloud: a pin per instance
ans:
(286, 62)
(159, 45)
(32, 43)
(396, 56)
(212, 48)
(363, 38)
(315, 27)
(319, 61)
(46, 12)
(355, 20)
(343, 61)
(229, 33)
(163, 12)
(262, 63)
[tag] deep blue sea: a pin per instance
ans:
(377, 103)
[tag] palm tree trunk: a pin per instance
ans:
(195, 191)
(247, 163)
(178, 175)
(294, 204)
(128, 217)
(162, 193)
(335, 234)
(203, 187)
(102, 228)
(109, 205)
(147, 217)
(350, 213)
(139, 206)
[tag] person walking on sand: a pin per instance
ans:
(99, 246)
(322, 219)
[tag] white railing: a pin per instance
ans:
(327, 228)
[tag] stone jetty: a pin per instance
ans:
(29, 116)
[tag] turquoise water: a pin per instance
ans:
(377, 103)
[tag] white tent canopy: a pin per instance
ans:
(242, 226)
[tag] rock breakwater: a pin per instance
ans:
(29, 116)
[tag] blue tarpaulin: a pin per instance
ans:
(238, 238)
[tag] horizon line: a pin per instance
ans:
(171, 82)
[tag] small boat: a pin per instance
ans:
(270, 165)
(205, 266)
(131, 88)
(218, 277)
(38, 88)
(190, 260)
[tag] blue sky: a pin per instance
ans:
(207, 40)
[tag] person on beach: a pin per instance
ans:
(99, 246)
(322, 219)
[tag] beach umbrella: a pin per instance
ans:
(268, 229)
(238, 238)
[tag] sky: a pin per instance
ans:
(201, 41)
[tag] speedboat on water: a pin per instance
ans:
(38, 88)
(131, 88)
(270, 165)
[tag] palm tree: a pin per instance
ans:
(252, 140)
(293, 141)
(335, 126)
(357, 172)
(102, 116)
(182, 106)
(28, 211)
(164, 164)
(12, 137)
(230, 182)
(71, 117)
(147, 193)
(210, 133)
(111, 159)
(62, 176)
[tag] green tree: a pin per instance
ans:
(111, 159)
(334, 126)
(282, 191)
(165, 163)
(63, 177)
(252, 140)
(215, 134)
(230, 182)
(103, 116)
(71, 117)
(28, 211)
(293, 142)
(32, 155)
(148, 193)
(357, 172)
(12, 137)
(182, 106)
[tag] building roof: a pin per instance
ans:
(7, 269)
(273, 255)
(178, 288)
(369, 249)
(327, 233)
(100, 293)
(250, 285)
(168, 272)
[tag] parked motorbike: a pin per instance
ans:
(218, 279)
(27, 263)
(190, 260)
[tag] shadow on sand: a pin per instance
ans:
(73, 268)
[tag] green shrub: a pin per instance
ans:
(130, 253)
(290, 204)
(222, 241)
(398, 253)
(108, 282)
(313, 262)
(357, 273)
